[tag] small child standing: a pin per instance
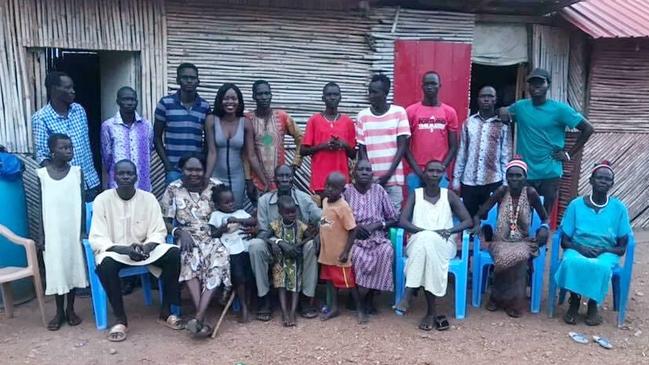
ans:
(227, 225)
(337, 234)
(286, 243)
(62, 190)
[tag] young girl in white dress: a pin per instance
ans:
(61, 201)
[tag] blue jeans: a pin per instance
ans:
(413, 181)
(172, 176)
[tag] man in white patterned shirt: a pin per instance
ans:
(485, 149)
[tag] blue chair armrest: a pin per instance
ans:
(90, 254)
(629, 256)
(464, 255)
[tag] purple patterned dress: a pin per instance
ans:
(372, 258)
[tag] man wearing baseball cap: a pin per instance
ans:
(541, 134)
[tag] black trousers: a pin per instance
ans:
(548, 189)
(475, 196)
(108, 272)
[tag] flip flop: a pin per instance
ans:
(427, 325)
(309, 312)
(120, 330)
(73, 319)
(578, 337)
(441, 323)
(173, 322)
(602, 342)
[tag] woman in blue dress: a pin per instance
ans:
(595, 230)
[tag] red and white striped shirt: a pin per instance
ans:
(378, 133)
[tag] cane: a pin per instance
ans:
(225, 311)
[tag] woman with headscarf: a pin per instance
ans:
(511, 247)
(595, 232)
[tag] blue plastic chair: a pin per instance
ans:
(483, 263)
(99, 298)
(620, 281)
(459, 267)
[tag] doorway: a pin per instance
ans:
(97, 76)
(502, 78)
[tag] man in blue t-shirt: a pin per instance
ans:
(541, 135)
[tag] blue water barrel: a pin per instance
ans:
(13, 215)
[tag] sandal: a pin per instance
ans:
(264, 316)
(578, 337)
(309, 312)
(513, 312)
(117, 333)
(173, 322)
(204, 332)
(56, 323)
(602, 342)
(72, 318)
(427, 323)
(194, 326)
(491, 306)
(441, 323)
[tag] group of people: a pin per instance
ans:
(222, 160)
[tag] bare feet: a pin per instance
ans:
(362, 317)
(292, 317)
(56, 322)
(244, 316)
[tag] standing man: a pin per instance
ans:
(483, 154)
(270, 125)
(541, 135)
(382, 134)
(330, 138)
(261, 253)
(127, 136)
(63, 115)
(179, 121)
(434, 127)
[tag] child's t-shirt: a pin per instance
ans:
(232, 239)
(336, 222)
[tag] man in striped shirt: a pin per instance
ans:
(484, 151)
(382, 133)
(179, 121)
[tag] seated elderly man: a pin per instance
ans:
(260, 253)
(128, 230)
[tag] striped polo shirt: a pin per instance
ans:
(379, 135)
(184, 127)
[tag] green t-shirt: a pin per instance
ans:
(541, 130)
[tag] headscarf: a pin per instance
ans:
(516, 162)
(604, 164)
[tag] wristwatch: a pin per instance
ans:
(567, 155)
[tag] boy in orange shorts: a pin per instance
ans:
(337, 233)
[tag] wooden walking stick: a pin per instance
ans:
(225, 311)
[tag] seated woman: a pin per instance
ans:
(595, 231)
(372, 253)
(205, 263)
(428, 216)
(511, 246)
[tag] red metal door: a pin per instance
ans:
(452, 61)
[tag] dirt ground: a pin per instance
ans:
(482, 338)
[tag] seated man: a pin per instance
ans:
(260, 252)
(128, 230)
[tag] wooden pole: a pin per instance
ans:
(225, 311)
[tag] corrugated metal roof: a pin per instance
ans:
(610, 18)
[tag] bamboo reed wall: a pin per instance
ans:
(550, 51)
(628, 153)
(619, 87)
(117, 25)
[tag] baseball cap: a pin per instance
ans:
(539, 73)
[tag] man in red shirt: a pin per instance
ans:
(330, 139)
(434, 131)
